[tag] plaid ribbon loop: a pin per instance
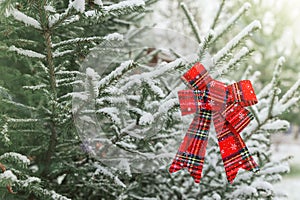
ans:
(210, 100)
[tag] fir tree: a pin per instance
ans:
(50, 39)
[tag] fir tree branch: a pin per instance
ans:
(218, 15)
(236, 41)
(244, 52)
(224, 28)
(192, 22)
(205, 44)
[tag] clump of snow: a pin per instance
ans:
(61, 178)
(98, 2)
(8, 175)
(79, 5)
(146, 118)
(114, 36)
(49, 8)
(263, 185)
(24, 18)
(91, 73)
(26, 52)
(124, 5)
(281, 60)
(56, 196)
(90, 13)
(216, 196)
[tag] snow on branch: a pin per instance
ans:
(192, 21)
(15, 157)
(276, 125)
(77, 40)
(232, 62)
(277, 71)
(124, 7)
(28, 120)
(57, 54)
(125, 66)
(222, 29)
(20, 105)
(26, 52)
(158, 71)
(114, 36)
(4, 133)
(112, 113)
(290, 93)
(102, 170)
(18, 15)
(8, 175)
(35, 87)
(205, 44)
(79, 5)
(236, 40)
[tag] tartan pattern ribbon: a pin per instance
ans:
(210, 100)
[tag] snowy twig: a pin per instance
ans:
(222, 29)
(25, 52)
(232, 62)
(192, 21)
(24, 18)
(218, 15)
(236, 41)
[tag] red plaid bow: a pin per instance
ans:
(225, 104)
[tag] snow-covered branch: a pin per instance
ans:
(27, 20)
(25, 52)
(236, 41)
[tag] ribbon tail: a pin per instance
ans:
(192, 150)
(235, 154)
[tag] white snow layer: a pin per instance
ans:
(263, 185)
(79, 5)
(114, 36)
(98, 2)
(118, 71)
(124, 5)
(244, 190)
(232, 43)
(146, 118)
(24, 18)
(278, 124)
(30, 180)
(76, 40)
(16, 156)
(50, 8)
(8, 175)
(26, 52)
